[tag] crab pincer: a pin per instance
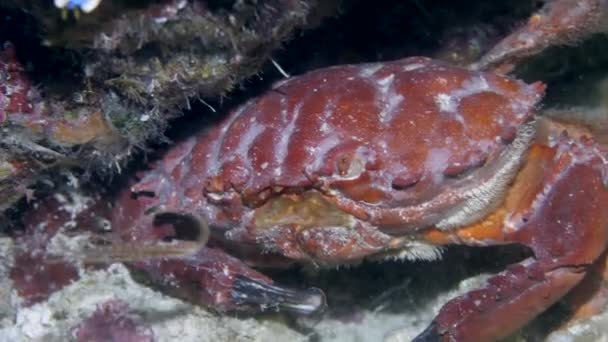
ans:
(202, 274)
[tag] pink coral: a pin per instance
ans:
(36, 271)
(112, 322)
(35, 278)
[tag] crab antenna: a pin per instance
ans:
(193, 234)
(133, 251)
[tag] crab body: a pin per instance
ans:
(351, 151)
(375, 160)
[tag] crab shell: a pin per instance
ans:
(332, 165)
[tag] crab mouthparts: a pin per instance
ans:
(305, 210)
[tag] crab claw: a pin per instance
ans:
(301, 302)
(213, 278)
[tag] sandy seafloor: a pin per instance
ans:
(171, 319)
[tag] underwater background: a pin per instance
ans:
(90, 91)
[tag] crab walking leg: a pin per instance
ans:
(558, 22)
(566, 227)
(216, 279)
(509, 301)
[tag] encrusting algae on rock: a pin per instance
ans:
(88, 90)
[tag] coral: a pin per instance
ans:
(111, 322)
(42, 262)
(35, 278)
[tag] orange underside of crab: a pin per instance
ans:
(528, 183)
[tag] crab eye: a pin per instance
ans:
(349, 167)
(342, 165)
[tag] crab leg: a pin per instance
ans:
(558, 22)
(213, 278)
(565, 225)
(512, 298)
(208, 276)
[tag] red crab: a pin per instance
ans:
(379, 160)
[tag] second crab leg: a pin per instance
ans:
(570, 213)
(558, 22)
